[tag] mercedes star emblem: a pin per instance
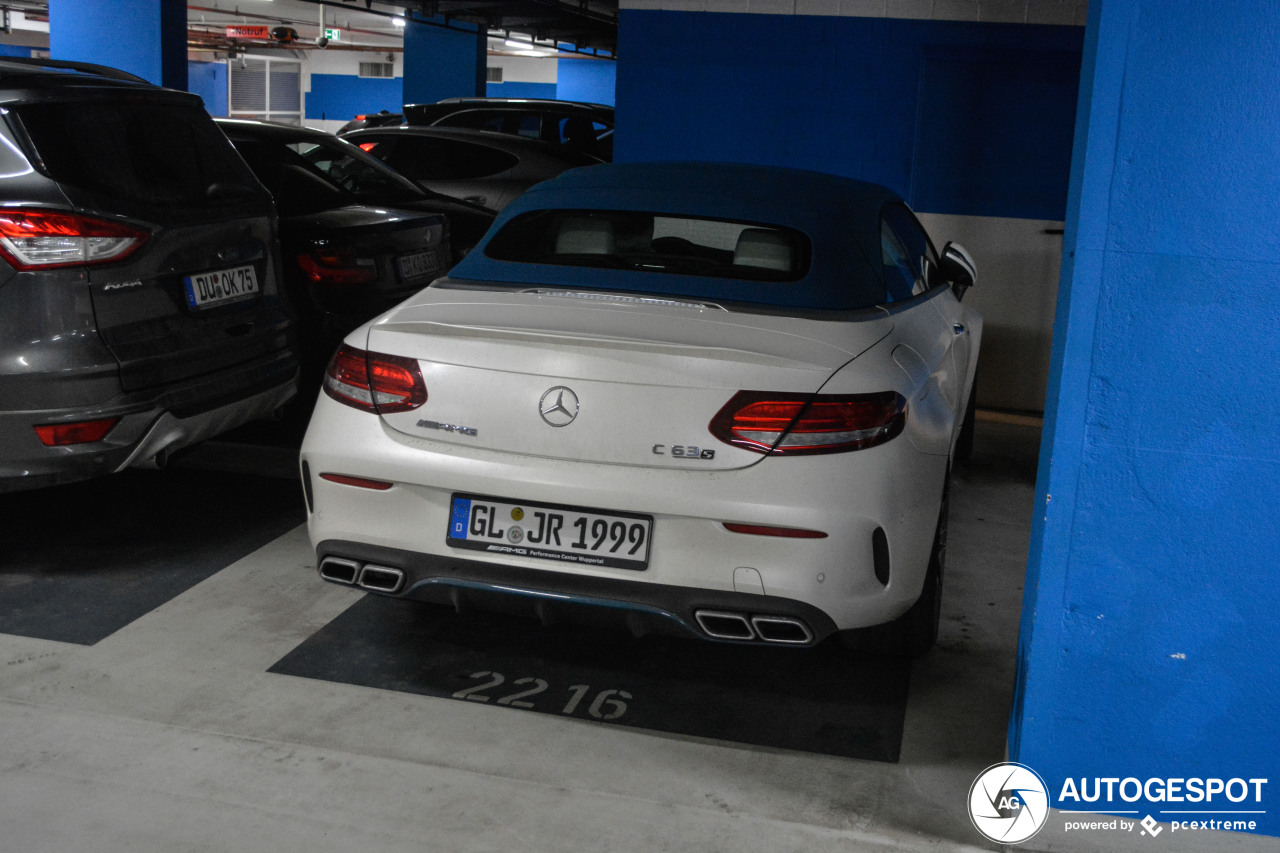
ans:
(559, 406)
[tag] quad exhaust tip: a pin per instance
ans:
(725, 625)
(338, 570)
(350, 573)
(782, 629)
(380, 579)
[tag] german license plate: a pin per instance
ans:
(213, 288)
(418, 265)
(568, 534)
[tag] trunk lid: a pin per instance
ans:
(642, 379)
(201, 294)
(405, 249)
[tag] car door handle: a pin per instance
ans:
(960, 329)
(475, 199)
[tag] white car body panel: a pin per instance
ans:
(646, 374)
(609, 463)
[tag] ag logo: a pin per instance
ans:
(1008, 803)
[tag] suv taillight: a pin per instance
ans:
(44, 239)
(792, 424)
(374, 382)
(330, 264)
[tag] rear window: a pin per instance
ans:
(297, 185)
(425, 158)
(654, 242)
(142, 151)
(365, 177)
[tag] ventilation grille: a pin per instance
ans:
(377, 69)
(494, 74)
(269, 89)
(248, 86)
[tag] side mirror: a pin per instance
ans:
(957, 267)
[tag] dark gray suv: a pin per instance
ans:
(139, 279)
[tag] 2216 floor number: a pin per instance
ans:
(605, 705)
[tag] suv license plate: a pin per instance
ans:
(418, 265)
(214, 288)
(618, 540)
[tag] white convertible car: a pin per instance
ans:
(716, 400)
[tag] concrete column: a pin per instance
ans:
(441, 62)
(1149, 619)
(144, 37)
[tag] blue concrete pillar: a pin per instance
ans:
(590, 80)
(442, 62)
(144, 37)
(1150, 628)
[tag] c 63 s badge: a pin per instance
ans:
(683, 451)
(460, 430)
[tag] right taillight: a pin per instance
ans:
(337, 265)
(47, 239)
(787, 423)
(374, 382)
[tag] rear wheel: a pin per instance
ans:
(914, 632)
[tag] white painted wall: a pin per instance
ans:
(337, 61)
(525, 69)
(1017, 292)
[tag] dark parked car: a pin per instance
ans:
(344, 261)
(139, 284)
(579, 126)
(371, 181)
(382, 118)
(486, 168)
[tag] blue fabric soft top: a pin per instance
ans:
(840, 216)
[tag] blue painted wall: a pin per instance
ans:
(1150, 622)
(517, 89)
(14, 50)
(893, 101)
(590, 80)
(341, 97)
(209, 81)
(442, 63)
(144, 37)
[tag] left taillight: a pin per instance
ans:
(46, 239)
(80, 432)
(338, 265)
(791, 424)
(374, 382)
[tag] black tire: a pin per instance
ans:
(913, 633)
(964, 441)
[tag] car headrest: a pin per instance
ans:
(763, 248)
(585, 235)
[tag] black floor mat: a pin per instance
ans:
(814, 700)
(79, 562)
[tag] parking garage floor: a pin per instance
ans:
(174, 676)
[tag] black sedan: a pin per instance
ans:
(483, 167)
(345, 260)
(367, 178)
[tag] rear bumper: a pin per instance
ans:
(151, 425)
(646, 608)
(696, 563)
